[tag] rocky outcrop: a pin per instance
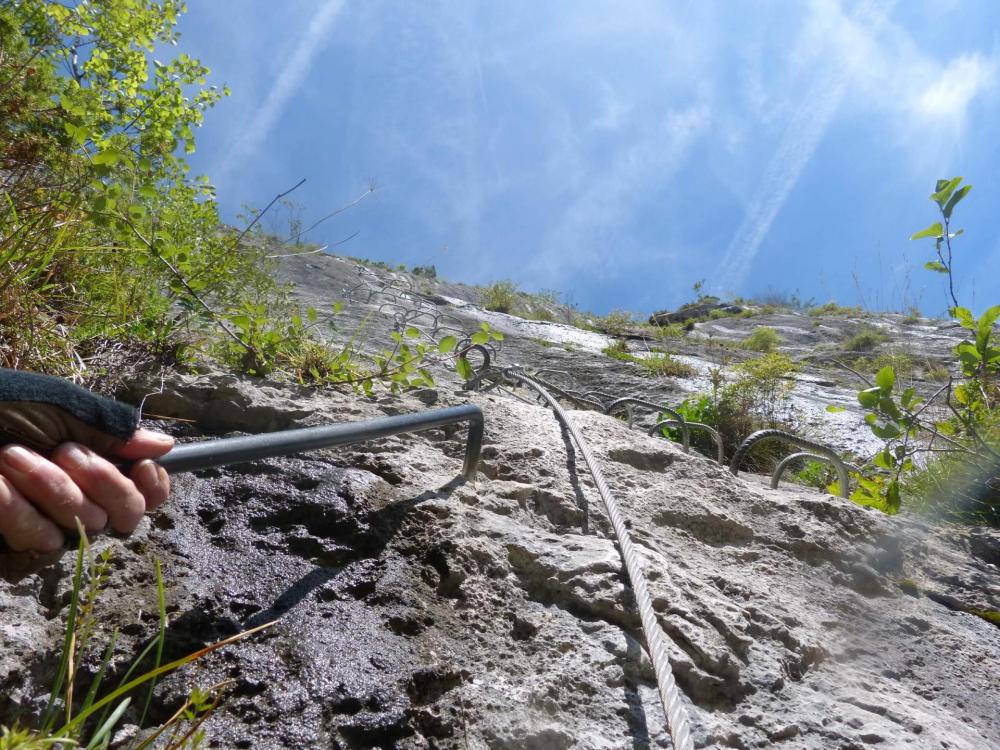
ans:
(419, 610)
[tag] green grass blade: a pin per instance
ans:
(80, 718)
(161, 637)
(50, 714)
(108, 725)
(96, 684)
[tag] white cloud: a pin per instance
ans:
(285, 86)
(948, 98)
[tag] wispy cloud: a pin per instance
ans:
(948, 98)
(285, 86)
(805, 130)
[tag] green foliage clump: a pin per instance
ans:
(901, 363)
(500, 296)
(110, 255)
(618, 349)
(960, 480)
(428, 272)
(663, 365)
(655, 364)
(616, 323)
(763, 339)
(832, 308)
(937, 372)
(818, 474)
(753, 395)
(535, 313)
(865, 340)
(668, 331)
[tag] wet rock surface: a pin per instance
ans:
(418, 610)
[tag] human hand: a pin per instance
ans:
(54, 468)
(39, 495)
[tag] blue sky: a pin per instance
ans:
(620, 151)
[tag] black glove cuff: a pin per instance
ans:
(104, 415)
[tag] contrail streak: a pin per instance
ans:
(285, 86)
(799, 142)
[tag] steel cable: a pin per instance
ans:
(677, 717)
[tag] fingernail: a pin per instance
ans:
(19, 458)
(147, 476)
(74, 455)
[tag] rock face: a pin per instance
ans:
(419, 610)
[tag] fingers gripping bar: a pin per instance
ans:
(42, 412)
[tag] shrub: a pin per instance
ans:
(757, 396)
(616, 322)
(669, 331)
(428, 272)
(763, 339)
(665, 366)
(901, 362)
(540, 314)
(865, 340)
(832, 308)
(657, 364)
(618, 349)
(500, 296)
(937, 372)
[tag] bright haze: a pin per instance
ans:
(618, 152)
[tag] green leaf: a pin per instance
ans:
(884, 459)
(78, 133)
(480, 337)
(485, 326)
(496, 335)
(835, 409)
(985, 328)
(934, 230)
(463, 368)
(892, 498)
(413, 333)
(936, 265)
(885, 378)
(968, 355)
(337, 307)
(447, 344)
(907, 397)
(108, 157)
(868, 398)
(885, 430)
(136, 211)
(964, 317)
(953, 201)
(945, 428)
(944, 189)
